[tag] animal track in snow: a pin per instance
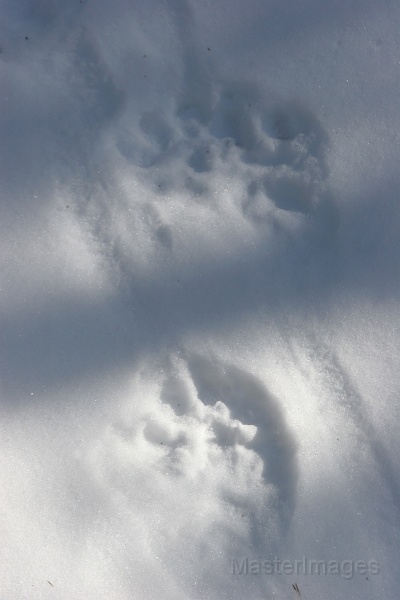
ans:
(271, 155)
(207, 436)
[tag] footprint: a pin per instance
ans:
(237, 132)
(244, 163)
(200, 464)
(215, 426)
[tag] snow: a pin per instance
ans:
(199, 299)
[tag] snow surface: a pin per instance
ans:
(199, 297)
